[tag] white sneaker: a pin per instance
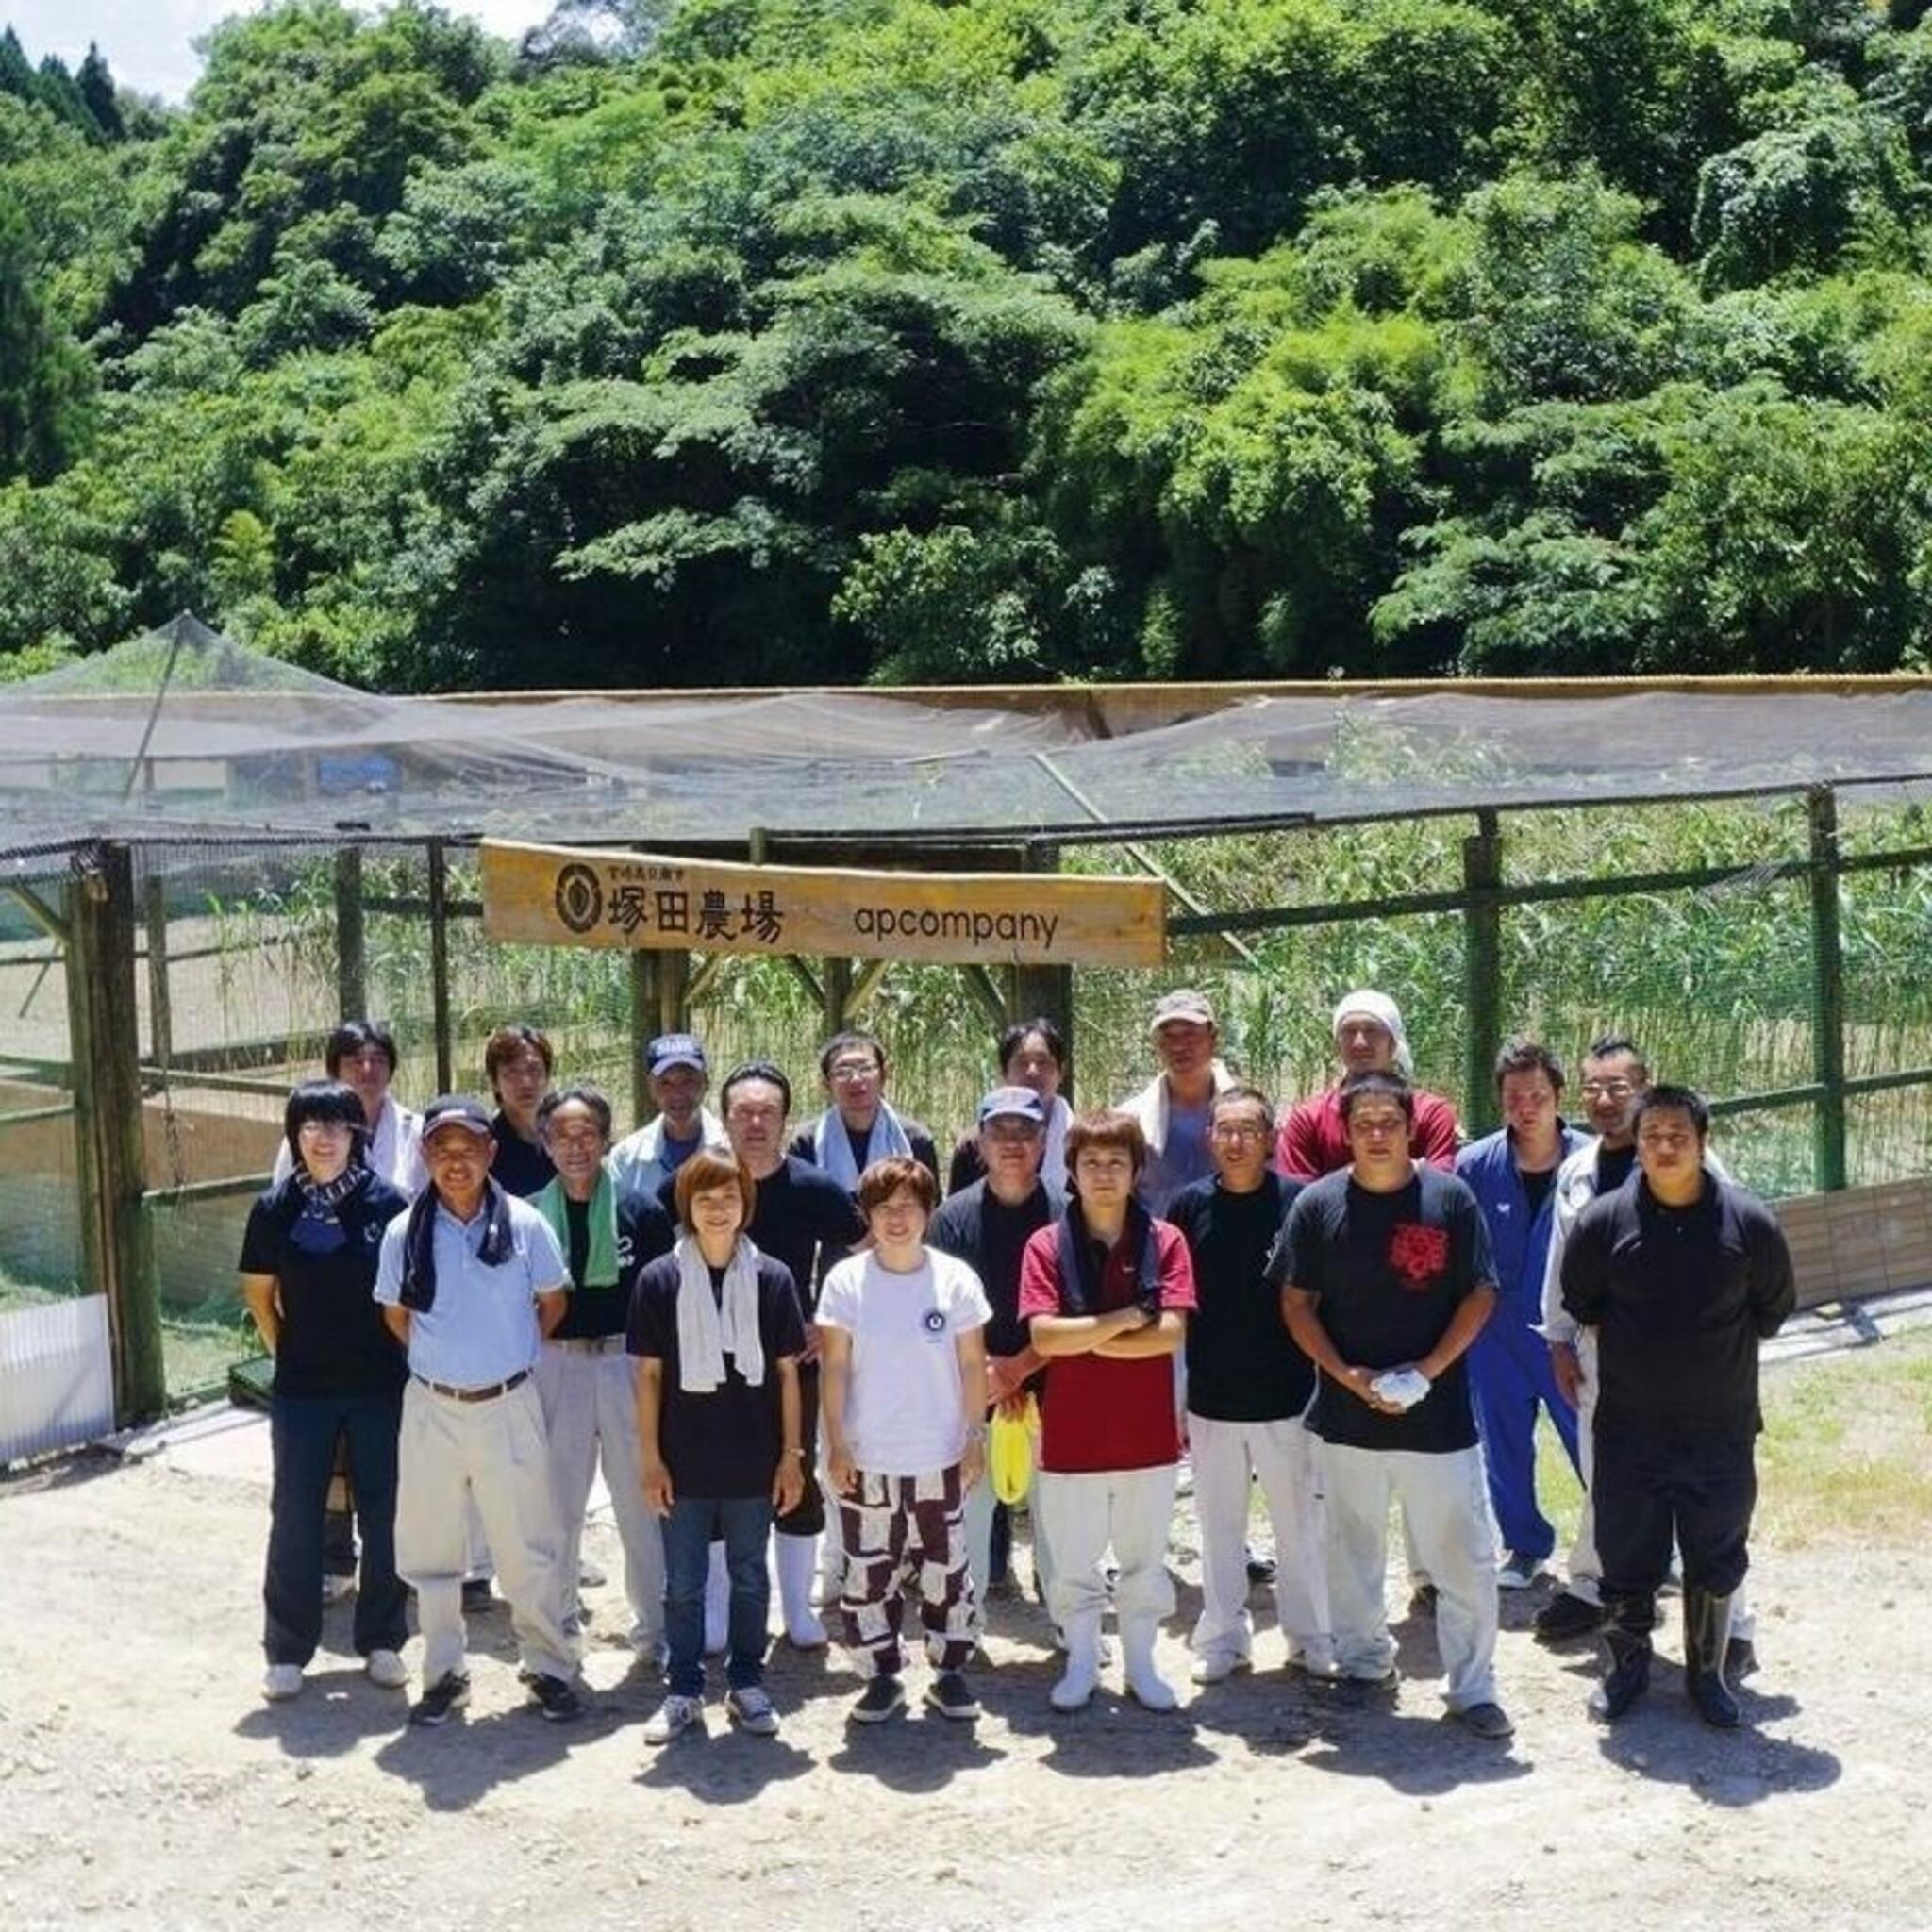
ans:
(334, 1589)
(751, 1710)
(673, 1715)
(1517, 1571)
(280, 1682)
(387, 1670)
(1218, 1665)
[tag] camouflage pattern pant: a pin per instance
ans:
(906, 1534)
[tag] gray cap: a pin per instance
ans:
(1183, 1002)
(455, 1111)
(1013, 1104)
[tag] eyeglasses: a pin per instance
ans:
(1608, 1090)
(856, 1070)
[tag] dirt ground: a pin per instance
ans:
(143, 1782)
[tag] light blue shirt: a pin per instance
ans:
(483, 1327)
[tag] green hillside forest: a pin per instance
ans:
(749, 340)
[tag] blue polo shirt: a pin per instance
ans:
(483, 1327)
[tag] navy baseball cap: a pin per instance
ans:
(675, 1050)
(455, 1111)
(1013, 1104)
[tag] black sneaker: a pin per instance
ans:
(1422, 1602)
(1261, 1566)
(950, 1696)
(1566, 1616)
(1484, 1721)
(555, 1698)
(879, 1701)
(477, 1596)
(449, 1694)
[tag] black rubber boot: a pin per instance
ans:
(1627, 1625)
(1706, 1636)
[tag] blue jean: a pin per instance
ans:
(302, 1433)
(695, 1522)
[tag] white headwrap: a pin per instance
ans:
(1366, 1003)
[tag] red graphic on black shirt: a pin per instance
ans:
(1417, 1254)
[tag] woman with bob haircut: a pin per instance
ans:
(309, 1276)
(717, 1332)
(902, 1337)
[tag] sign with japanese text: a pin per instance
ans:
(571, 896)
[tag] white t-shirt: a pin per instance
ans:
(905, 1414)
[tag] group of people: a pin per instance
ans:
(469, 1310)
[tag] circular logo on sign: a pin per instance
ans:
(935, 1321)
(580, 897)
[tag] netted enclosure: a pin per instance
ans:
(211, 859)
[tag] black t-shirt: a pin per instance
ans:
(981, 1230)
(520, 1167)
(643, 1232)
(1242, 1364)
(724, 1444)
(1537, 1184)
(967, 1165)
(805, 1146)
(334, 1342)
(804, 1219)
(1614, 1166)
(1680, 1298)
(1390, 1271)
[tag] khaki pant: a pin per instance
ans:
(495, 1453)
(590, 1412)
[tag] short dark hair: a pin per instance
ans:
(699, 1172)
(884, 1179)
(1368, 1086)
(840, 1043)
(1684, 1100)
(321, 1100)
(754, 1070)
(511, 1042)
(585, 1095)
(1014, 1037)
(1241, 1092)
(1520, 1055)
(355, 1036)
(1607, 1046)
(1106, 1126)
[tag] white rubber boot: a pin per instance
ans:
(829, 1586)
(1145, 1685)
(796, 1558)
(1082, 1677)
(717, 1604)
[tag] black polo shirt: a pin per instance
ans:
(723, 1443)
(804, 1219)
(1390, 1271)
(1242, 1364)
(333, 1341)
(980, 1229)
(1680, 1298)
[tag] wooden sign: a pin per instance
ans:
(562, 895)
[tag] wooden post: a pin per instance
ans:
(110, 1161)
(161, 1014)
(1482, 971)
(438, 961)
(1046, 992)
(352, 973)
(1828, 994)
(837, 985)
(643, 1025)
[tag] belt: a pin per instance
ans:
(488, 1392)
(587, 1344)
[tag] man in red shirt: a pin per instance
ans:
(1368, 1039)
(1106, 1291)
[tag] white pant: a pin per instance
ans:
(1445, 1502)
(979, 1508)
(1081, 1515)
(495, 1452)
(1286, 1461)
(1586, 1566)
(590, 1408)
